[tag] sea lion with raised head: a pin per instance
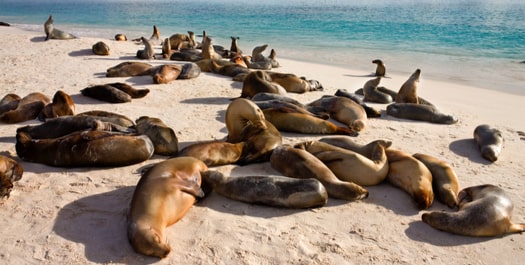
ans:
(380, 68)
(208, 51)
(489, 141)
(161, 135)
(273, 61)
(28, 108)
(100, 48)
(259, 82)
(342, 109)
(408, 91)
(166, 48)
(271, 190)
(298, 163)
(215, 152)
(126, 69)
(10, 172)
(419, 112)
(162, 197)
(148, 52)
(484, 210)
(61, 105)
(372, 94)
(155, 38)
(53, 33)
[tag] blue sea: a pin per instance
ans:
(476, 42)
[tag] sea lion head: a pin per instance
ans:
(148, 241)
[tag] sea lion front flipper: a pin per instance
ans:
(189, 186)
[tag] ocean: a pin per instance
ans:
(472, 42)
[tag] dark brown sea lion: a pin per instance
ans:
(106, 93)
(161, 135)
(298, 163)
(380, 68)
(419, 112)
(372, 94)
(53, 33)
(112, 117)
(100, 48)
(148, 52)
(121, 37)
(228, 69)
(61, 105)
(234, 47)
(344, 110)
(484, 210)
(166, 73)
(489, 141)
(9, 102)
(410, 175)
(10, 171)
(294, 84)
(4, 24)
(85, 149)
(189, 71)
(214, 153)
(28, 108)
(163, 196)
(370, 111)
(445, 182)
(259, 82)
(408, 91)
(126, 69)
(272, 190)
(131, 91)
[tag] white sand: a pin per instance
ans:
(78, 215)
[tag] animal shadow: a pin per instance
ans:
(82, 52)
(422, 232)
(467, 148)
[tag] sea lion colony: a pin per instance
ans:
(312, 171)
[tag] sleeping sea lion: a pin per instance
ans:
(344, 110)
(10, 171)
(106, 93)
(161, 135)
(163, 74)
(489, 141)
(100, 48)
(259, 82)
(28, 108)
(215, 152)
(419, 112)
(62, 105)
(126, 69)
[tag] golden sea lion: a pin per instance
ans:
(215, 152)
(273, 61)
(148, 52)
(408, 91)
(294, 84)
(53, 33)
(62, 105)
(349, 143)
(228, 69)
(259, 82)
(372, 94)
(10, 171)
(298, 163)
(239, 114)
(100, 48)
(380, 68)
(180, 41)
(120, 37)
(445, 182)
(162, 197)
(489, 141)
(28, 108)
(208, 52)
(484, 210)
(271, 190)
(161, 135)
(370, 111)
(166, 73)
(126, 69)
(344, 110)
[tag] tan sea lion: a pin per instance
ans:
(344, 110)
(408, 91)
(489, 141)
(85, 149)
(214, 153)
(9, 102)
(294, 84)
(106, 93)
(121, 37)
(372, 94)
(208, 52)
(61, 105)
(180, 41)
(163, 196)
(28, 108)
(148, 52)
(445, 182)
(370, 111)
(10, 171)
(259, 82)
(283, 103)
(163, 74)
(126, 69)
(484, 210)
(166, 48)
(161, 135)
(271, 190)
(298, 163)
(239, 114)
(100, 48)
(380, 68)
(410, 175)
(53, 33)
(155, 38)
(261, 139)
(349, 143)
(351, 166)
(419, 112)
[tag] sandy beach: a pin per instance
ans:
(78, 215)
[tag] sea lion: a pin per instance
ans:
(410, 175)
(155, 38)
(344, 110)
(53, 33)
(408, 91)
(380, 68)
(208, 52)
(112, 117)
(147, 53)
(166, 48)
(370, 111)
(272, 190)
(419, 112)
(273, 61)
(214, 153)
(187, 55)
(351, 166)
(234, 47)
(161, 135)
(484, 210)
(100, 48)
(163, 74)
(259, 82)
(4, 24)
(294, 84)
(106, 93)
(261, 139)
(28, 108)
(61, 105)
(9, 102)
(162, 197)
(445, 182)
(277, 103)
(349, 143)
(372, 94)
(180, 41)
(489, 141)
(120, 37)
(298, 163)
(257, 55)
(239, 114)
(126, 69)
(131, 91)
(85, 149)
(189, 70)
(393, 94)
(257, 65)
(228, 69)
(10, 171)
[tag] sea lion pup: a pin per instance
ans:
(208, 52)
(53, 33)
(166, 48)
(163, 74)
(61, 105)
(419, 112)
(121, 37)
(295, 84)
(380, 68)
(484, 210)
(163, 196)
(112, 117)
(9, 102)
(85, 149)
(147, 53)
(351, 166)
(410, 175)
(106, 93)
(126, 69)
(445, 182)
(180, 41)
(239, 114)
(272, 190)
(234, 47)
(214, 153)
(100, 48)
(289, 120)
(228, 69)
(28, 108)
(10, 171)
(155, 38)
(343, 110)
(489, 141)
(298, 163)
(408, 91)
(372, 94)
(189, 70)
(257, 82)
(161, 135)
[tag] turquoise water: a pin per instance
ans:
(476, 42)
